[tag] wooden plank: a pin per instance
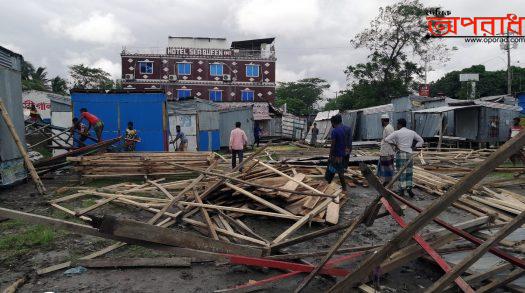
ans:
(291, 184)
(503, 280)
(180, 195)
(289, 177)
(258, 199)
(162, 189)
(206, 216)
(241, 210)
(337, 245)
(309, 216)
(149, 233)
(332, 212)
(425, 245)
(21, 148)
(96, 205)
(311, 235)
(68, 211)
(439, 205)
(476, 254)
(16, 284)
(134, 262)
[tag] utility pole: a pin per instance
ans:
(509, 73)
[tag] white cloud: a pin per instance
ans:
(97, 28)
(284, 75)
(112, 68)
(277, 17)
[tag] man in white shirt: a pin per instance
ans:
(385, 165)
(403, 139)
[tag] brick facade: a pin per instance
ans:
(200, 81)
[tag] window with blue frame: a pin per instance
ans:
(252, 70)
(216, 95)
(216, 69)
(146, 67)
(183, 68)
(247, 96)
(183, 94)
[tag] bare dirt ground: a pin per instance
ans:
(34, 251)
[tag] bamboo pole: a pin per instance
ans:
(32, 171)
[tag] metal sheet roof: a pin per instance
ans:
(261, 110)
(378, 109)
(325, 115)
(444, 109)
(498, 105)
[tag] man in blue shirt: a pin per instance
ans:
(337, 151)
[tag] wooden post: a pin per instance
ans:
(440, 131)
(21, 148)
(477, 254)
(439, 205)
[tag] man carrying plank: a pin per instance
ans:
(403, 139)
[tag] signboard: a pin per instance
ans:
(42, 104)
(424, 90)
(199, 52)
(469, 77)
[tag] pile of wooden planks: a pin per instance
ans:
(217, 202)
(138, 164)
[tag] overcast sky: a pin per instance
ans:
(311, 35)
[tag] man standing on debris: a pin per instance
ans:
(131, 138)
(337, 152)
(257, 133)
(348, 142)
(93, 121)
(385, 165)
(238, 140)
(183, 140)
(518, 156)
(313, 134)
(403, 139)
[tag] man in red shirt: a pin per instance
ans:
(93, 121)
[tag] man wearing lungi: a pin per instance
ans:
(385, 165)
(403, 139)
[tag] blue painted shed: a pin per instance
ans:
(200, 122)
(147, 111)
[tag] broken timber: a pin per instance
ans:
(461, 187)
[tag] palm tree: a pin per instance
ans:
(34, 79)
(59, 85)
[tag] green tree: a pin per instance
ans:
(34, 79)
(490, 83)
(84, 77)
(59, 85)
(300, 96)
(398, 47)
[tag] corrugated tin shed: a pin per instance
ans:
(199, 120)
(11, 163)
(228, 117)
(369, 121)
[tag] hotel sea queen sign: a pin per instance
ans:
(199, 52)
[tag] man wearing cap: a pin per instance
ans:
(404, 139)
(385, 165)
